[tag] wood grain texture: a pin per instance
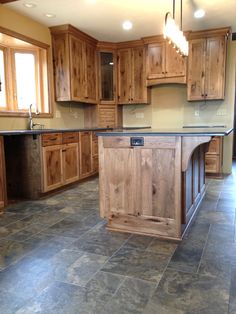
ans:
(196, 69)
(107, 115)
(75, 65)
(206, 68)
(85, 146)
(77, 68)
(164, 64)
(134, 184)
(189, 143)
(124, 76)
(70, 163)
(52, 167)
(50, 139)
(61, 65)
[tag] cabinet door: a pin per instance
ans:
(85, 154)
(215, 68)
(196, 69)
(139, 89)
(90, 83)
(77, 59)
(107, 78)
(175, 63)
(2, 175)
(156, 60)
(107, 115)
(124, 76)
(70, 163)
(61, 67)
(52, 167)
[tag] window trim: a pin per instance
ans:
(8, 113)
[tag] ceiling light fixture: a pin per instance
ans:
(50, 15)
(29, 5)
(173, 34)
(127, 25)
(199, 13)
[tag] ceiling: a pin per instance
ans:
(102, 19)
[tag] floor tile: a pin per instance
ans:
(190, 293)
(11, 251)
(100, 241)
(76, 267)
(131, 297)
(63, 298)
(138, 264)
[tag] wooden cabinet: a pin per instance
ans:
(164, 64)
(206, 65)
(107, 115)
(74, 59)
(2, 175)
(214, 157)
(131, 73)
(94, 152)
(59, 160)
(85, 142)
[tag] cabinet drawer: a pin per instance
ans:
(51, 139)
(212, 164)
(69, 137)
(215, 146)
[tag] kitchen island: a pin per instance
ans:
(151, 182)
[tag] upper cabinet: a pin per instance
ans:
(131, 75)
(74, 58)
(164, 64)
(107, 79)
(206, 65)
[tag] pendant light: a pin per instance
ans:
(173, 33)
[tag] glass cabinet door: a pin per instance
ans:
(107, 76)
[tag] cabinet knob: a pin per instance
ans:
(202, 95)
(205, 95)
(163, 72)
(132, 99)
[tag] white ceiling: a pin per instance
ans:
(102, 19)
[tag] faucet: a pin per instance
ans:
(31, 123)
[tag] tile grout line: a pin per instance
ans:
(204, 248)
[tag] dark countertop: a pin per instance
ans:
(185, 131)
(39, 131)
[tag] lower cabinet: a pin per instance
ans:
(60, 162)
(85, 149)
(214, 157)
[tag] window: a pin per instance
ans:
(23, 76)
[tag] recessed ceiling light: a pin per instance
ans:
(50, 15)
(199, 13)
(29, 5)
(127, 25)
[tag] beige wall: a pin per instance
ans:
(66, 115)
(169, 108)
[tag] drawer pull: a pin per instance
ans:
(53, 139)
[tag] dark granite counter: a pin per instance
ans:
(42, 131)
(185, 131)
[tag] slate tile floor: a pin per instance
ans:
(57, 257)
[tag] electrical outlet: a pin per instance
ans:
(139, 115)
(196, 113)
(221, 112)
(58, 114)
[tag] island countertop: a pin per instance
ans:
(185, 131)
